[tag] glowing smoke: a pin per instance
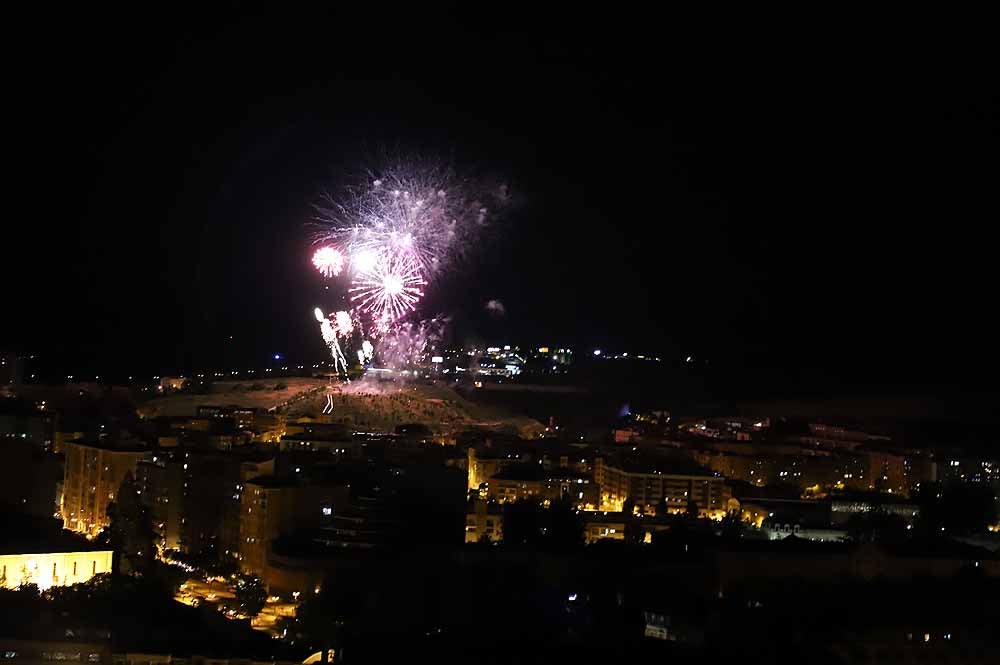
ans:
(496, 309)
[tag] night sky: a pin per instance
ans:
(821, 204)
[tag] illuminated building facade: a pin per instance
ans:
(484, 464)
(484, 522)
(163, 486)
(93, 474)
(647, 484)
(863, 469)
(194, 497)
(531, 481)
(49, 569)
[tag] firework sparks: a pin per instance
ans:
(329, 261)
(394, 235)
(344, 323)
(423, 209)
(363, 261)
(390, 289)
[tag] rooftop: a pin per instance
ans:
(668, 466)
(24, 534)
(128, 446)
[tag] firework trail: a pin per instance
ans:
(329, 333)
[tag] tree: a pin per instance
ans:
(732, 526)
(692, 509)
(522, 523)
(565, 529)
(322, 621)
(250, 595)
(130, 533)
(957, 507)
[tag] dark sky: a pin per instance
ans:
(825, 202)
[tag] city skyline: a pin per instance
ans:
(494, 335)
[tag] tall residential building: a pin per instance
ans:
(274, 507)
(163, 487)
(646, 482)
(30, 478)
(194, 496)
(93, 473)
(487, 461)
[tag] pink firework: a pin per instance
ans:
(389, 288)
(328, 261)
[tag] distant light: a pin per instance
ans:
(597, 352)
(277, 356)
(572, 597)
(437, 359)
(543, 349)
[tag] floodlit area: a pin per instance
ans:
(221, 595)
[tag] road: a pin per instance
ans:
(220, 594)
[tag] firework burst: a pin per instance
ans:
(389, 289)
(329, 261)
(421, 209)
(394, 235)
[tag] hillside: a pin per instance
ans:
(365, 405)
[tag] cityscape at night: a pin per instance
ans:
(335, 337)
